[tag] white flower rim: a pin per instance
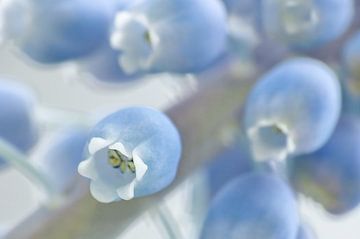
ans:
(100, 191)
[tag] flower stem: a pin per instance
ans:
(19, 161)
(168, 221)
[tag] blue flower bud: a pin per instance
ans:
(306, 24)
(255, 205)
(169, 35)
(58, 159)
(331, 175)
(292, 110)
(133, 152)
(50, 31)
(17, 125)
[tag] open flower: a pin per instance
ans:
(133, 152)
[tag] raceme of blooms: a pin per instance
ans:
(133, 152)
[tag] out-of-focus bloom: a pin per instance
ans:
(17, 124)
(133, 152)
(255, 205)
(60, 156)
(306, 24)
(51, 31)
(169, 35)
(331, 175)
(292, 110)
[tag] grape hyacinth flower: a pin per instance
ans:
(255, 205)
(304, 24)
(17, 123)
(134, 152)
(331, 175)
(50, 31)
(169, 35)
(58, 159)
(292, 110)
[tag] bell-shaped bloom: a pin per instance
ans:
(331, 175)
(51, 31)
(256, 206)
(17, 123)
(293, 109)
(304, 24)
(60, 155)
(169, 35)
(133, 152)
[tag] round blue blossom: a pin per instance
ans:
(331, 175)
(305, 24)
(292, 110)
(169, 35)
(255, 205)
(351, 63)
(17, 124)
(132, 153)
(58, 159)
(51, 31)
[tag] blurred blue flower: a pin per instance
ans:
(133, 152)
(17, 124)
(169, 35)
(292, 110)
(51, 31)
(60, 156)
(256, 206)
(304, 24)
(331, 175)
(305, 232)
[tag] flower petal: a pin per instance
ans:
(97, 144)
(121, 148)
(140, 167)
(102, 193)
(86, 168)
(126, 192)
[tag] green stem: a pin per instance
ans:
(19, 161)
(168, 221)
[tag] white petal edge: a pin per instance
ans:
(121, 148)
(87, 169)
(140, 167)
(126, 192)
(102, 193)
(97, 144)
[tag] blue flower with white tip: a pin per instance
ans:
(292, 110)
(133, 152)
(17, 121)
(50, 31)
(306, 24)
(254, 205)
(169, 35)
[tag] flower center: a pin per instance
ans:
(299, 16)
(118, 160)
